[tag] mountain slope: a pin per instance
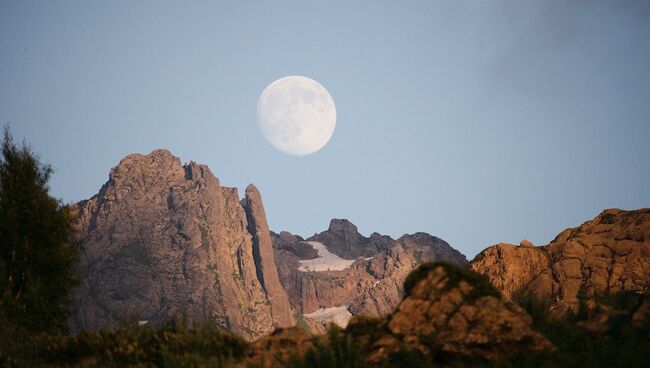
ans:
(164, 239)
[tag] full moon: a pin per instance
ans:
(296, 115)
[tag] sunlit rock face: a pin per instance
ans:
(608, 254)
(339, 272)
(164, 239)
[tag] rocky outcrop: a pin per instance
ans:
(369, 284)
(604, 256)
(511, 268)
(451, 311)
(164, 239)
(263, 254)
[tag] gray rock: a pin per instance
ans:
(164, 239)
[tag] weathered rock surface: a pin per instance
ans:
(449, 311)
(370, 286)
(164, 239)
(267, 272)
(606, 255)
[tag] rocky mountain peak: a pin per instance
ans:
(344, 227)
(140, 170)
(163, 239)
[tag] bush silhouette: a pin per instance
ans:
(36, 257)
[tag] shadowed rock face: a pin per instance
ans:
(608, 254)
(370, 286)
(164, 239)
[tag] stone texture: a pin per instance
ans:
(445, 314)
(164, 239)
(608, 254)
(263, 254)
(371, 286)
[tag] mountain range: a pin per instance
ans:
(166, 239)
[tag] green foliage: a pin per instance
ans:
(338, 350)
(408, 358)
(366, 327)
(626, 300)
(175, 344)
(455, 274)
(36, 256)
(621, 345)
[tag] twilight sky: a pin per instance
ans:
(476, 121)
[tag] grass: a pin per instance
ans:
(175, 344)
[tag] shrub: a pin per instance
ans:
(36, 257)
(174, 344)
(455, 274)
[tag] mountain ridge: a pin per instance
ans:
(165, 238)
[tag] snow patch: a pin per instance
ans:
(340, 316)
(326, 261)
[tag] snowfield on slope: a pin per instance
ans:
(340, 316)
(326, 261)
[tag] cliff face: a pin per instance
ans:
(608, 254)
(339, 273)
(267, 271)
(164, 239)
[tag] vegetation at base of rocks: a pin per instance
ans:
(338, 349)
(174, 344)
(620, 344)
(624, 300)
(481, 285)
(36, 256)
(361, 327)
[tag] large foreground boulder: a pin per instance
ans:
(452, 312)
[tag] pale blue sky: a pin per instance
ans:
(476, 121)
